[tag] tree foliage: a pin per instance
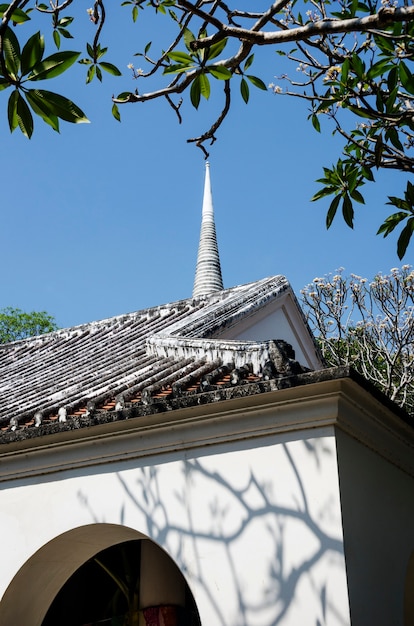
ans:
(16, 324)
(354, 61)
(369, 325)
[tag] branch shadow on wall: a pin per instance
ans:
(240, 513)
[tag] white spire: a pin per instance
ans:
(208, 272)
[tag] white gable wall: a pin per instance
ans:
(280, 319)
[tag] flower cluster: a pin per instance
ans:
(314, 16)
(275, 88)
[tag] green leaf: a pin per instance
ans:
(111, 69)
(216, 49)
(244, 90)
(18, 16)
(147, 47)
(406, 77)
(100, 52)
(348, 211)
(134, 18)
(399, 203)
(42, 109)
(391, 222)
(115, 112)
(392, 135)
(356, 195)
(248, 62)
(90, 74)
(379, 68)
(11, 48)
(325, 191)
(56, 38)
(65, 33)
(65, 21)
(54, 65)
(124, 96)
(360, 112)
(409, 193)
(177, 69)
(188, 38)
(195, 92)
(220, 72)
(32, 52)
(181, 57)
(62, 107)
(4, 83)
(316, 123)
(357, 65)
(345, 71)
(332, 211)
(257, 82)
(90, 51)
(204, 86)
(98, 73)
(351, 175)
(404, 238)
(384, 44)
(24, 117)
(379, 101)
(367, 173)
(390, 101)
(392, 78)
(12, 110)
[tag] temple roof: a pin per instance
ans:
(144, 358)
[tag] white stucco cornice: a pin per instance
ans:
(339, 403)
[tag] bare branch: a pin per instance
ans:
(380, 20)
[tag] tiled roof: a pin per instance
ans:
(142, 358)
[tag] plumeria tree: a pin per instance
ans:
(354, 61)
(369, 325)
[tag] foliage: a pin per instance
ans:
(127, 585)
(354, 61)
(369, 325)
(16, 324)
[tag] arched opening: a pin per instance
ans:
(99, 574)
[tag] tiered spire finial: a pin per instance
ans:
(208, 277)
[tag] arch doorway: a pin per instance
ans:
(103, 575)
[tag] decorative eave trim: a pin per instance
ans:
(333, 403)
(239, 353)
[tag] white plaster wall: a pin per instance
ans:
(378, 516)
(255, 527)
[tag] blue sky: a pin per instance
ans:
(104, 218)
